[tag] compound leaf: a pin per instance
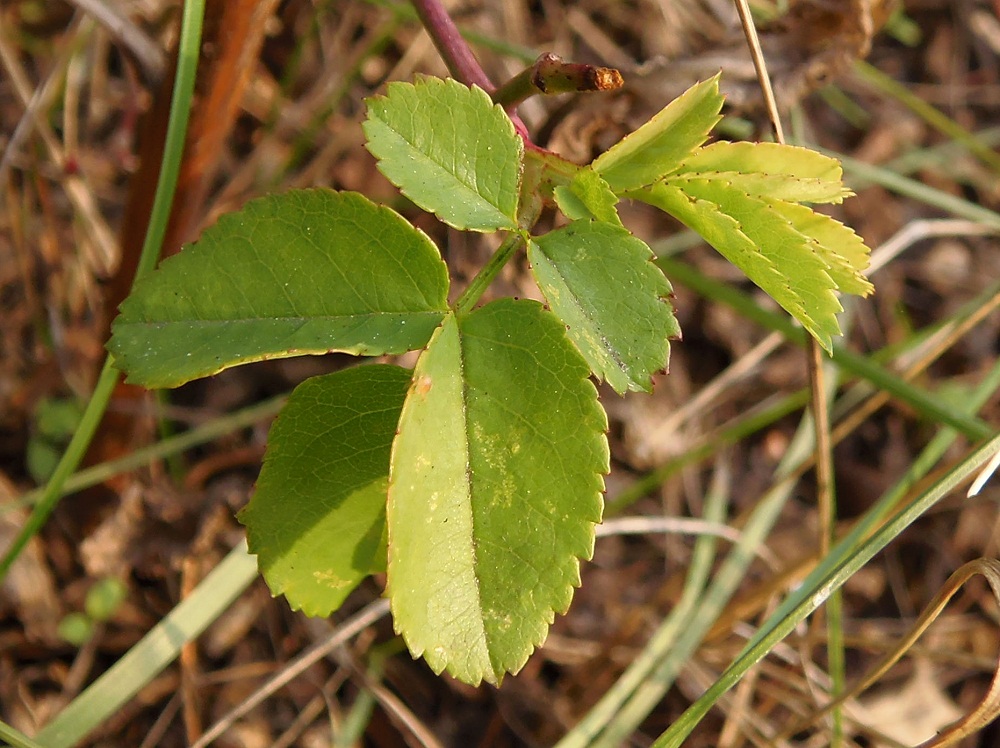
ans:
(306, 272)
(317, 517)
(449, 149)
(495, 487)
(601, 282)
(657, 148)
(772, 170)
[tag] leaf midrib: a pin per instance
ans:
(273, 318)
(471, 189)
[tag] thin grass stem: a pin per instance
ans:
(180, 110)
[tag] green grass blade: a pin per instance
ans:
(68, 463)
(16, 739)
(702, 559)
(927, 404)
(732, 573)
(648, 693)
(671, 659)
(859, 171)
(846, 558)
(174, 445)
(190, 41)
(735, 431)
(157, 649)
(943, 157)
(928, 113)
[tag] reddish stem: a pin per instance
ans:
(457, 55)
(455, 52)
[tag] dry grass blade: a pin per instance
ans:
(983, 478)
(152, 60)
(987, 710)
(739, 370)
(820, 413)
(760, 66)
(915, 363)
(649, 525)
(814, 363)
(105, 248)
(916, 231)
(358, 623)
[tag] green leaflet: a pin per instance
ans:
(771, 186)
(450, 150)
(759, 240)
(844, 251)
(772, 170)
(657, 148)
(495, 486)
(588, 196)
(601, 282)
(306, 272)
(317, 517)
(794, 255)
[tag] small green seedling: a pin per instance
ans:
(476, 479)
(102, 601)
(53, 426)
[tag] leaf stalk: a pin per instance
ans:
(489, 271)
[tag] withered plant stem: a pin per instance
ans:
(550, 75)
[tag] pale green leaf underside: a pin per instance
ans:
(601, 282)
(450, 150)
(843, 250)
(773, 170)
(763, 243)
(495, 486)
(588, 196)
(656, 148)
(305, 272)
(317, 517)
(772, 186)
